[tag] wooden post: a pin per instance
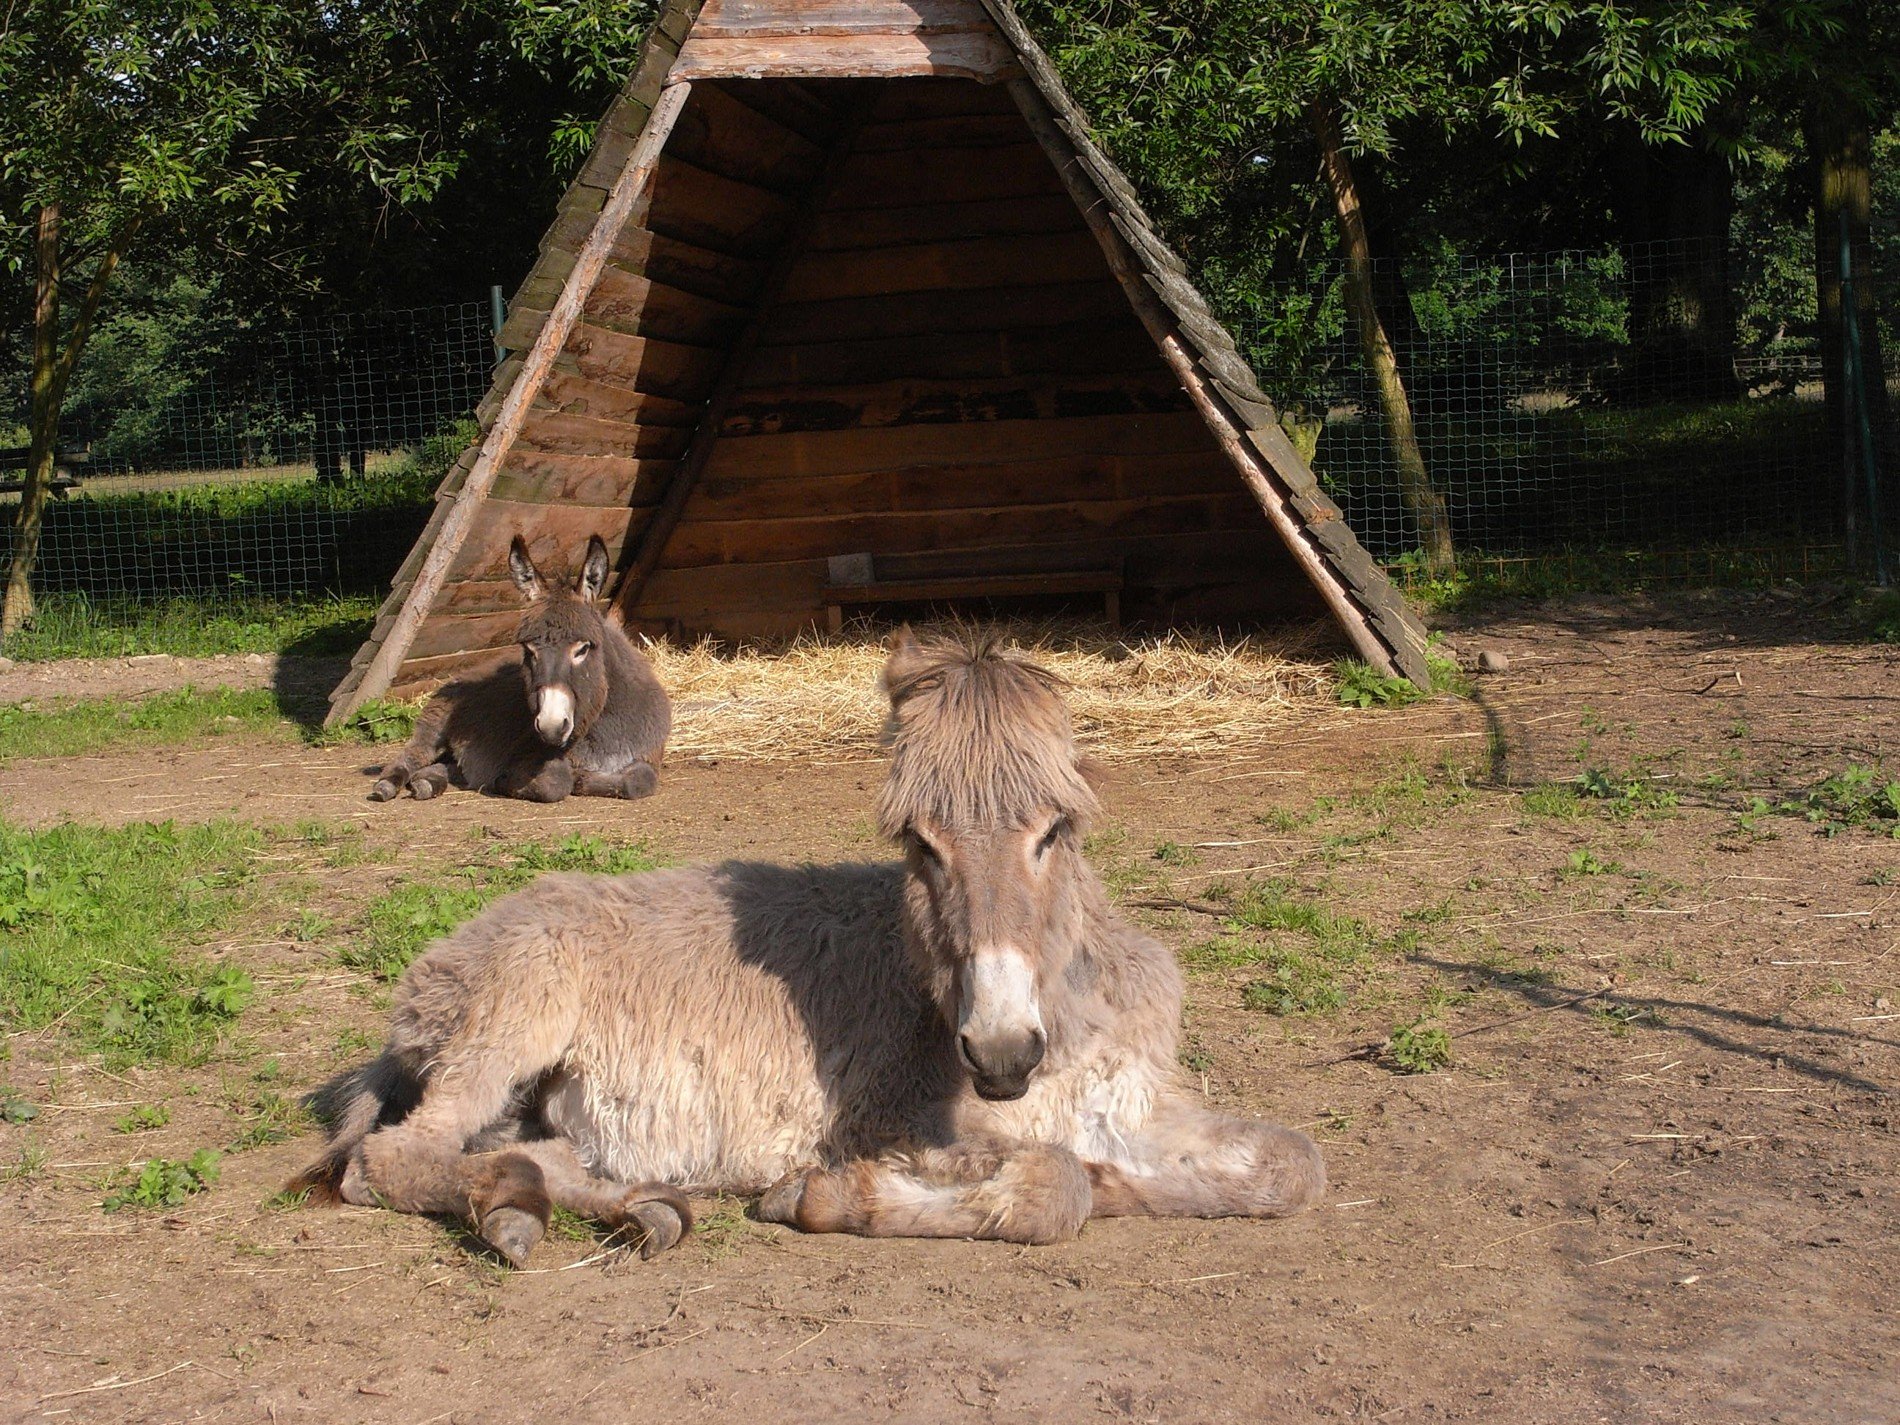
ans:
(627, 189)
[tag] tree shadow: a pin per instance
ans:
(1547, 996)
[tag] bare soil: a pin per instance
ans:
(1655, 1183)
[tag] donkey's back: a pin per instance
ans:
(703, 1026)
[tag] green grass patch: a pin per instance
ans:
(1553, 799)
(79, 626)
(1304, 951)
(96, 930)
(71, 727)
(405, 919)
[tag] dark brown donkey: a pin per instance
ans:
(971, 1042)
(581, 712)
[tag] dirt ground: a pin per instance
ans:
(1656, 1181)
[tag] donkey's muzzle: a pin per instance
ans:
(1000, 1070)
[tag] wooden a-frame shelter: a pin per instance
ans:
(846, 307)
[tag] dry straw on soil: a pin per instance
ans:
(1174, 693)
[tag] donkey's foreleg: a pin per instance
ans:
(1008, 1192)
(423, 753)
(1190, 1162)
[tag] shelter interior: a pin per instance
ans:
(922, 377)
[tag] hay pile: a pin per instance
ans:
(1139, 697)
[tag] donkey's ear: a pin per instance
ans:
(907, 660)
(521, 566)
(594, 570)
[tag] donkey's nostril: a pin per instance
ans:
(968, 1050)
(1032, 1054)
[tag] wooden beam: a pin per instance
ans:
(1161, 324)
(633, 181)
(979, 55)
(706, 439)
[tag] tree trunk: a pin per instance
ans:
(1677, 201)
(1425, 504)
(52, 373)
(1840, 150)
(43, 426)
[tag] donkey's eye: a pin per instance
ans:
(924, 849)
(1050, 836)
(581, 650)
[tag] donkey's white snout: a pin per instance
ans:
(999, 1028)
(554, 716)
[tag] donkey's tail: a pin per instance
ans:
(355, 1105)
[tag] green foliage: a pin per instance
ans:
(1296, 985)
(1362, 686)
(1857, 796)
(63, 728)
(1418, 1048)
(380, 720)
(17, 1110)
(163, 1183)
(1585, 863)
(1883, 617)
(1626, 794)
(143, 1119)
(1305, 976)
(96, 926)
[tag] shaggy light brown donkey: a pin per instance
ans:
(970, 1044)
(579, 713)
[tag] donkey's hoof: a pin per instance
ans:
(423, 788)
(384, 791)
(783, 1199)
(654, 1224)
(641, 781)
(514, 1232)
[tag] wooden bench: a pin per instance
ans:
(15, 457)
(852, 580)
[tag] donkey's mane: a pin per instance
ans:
(979, 736)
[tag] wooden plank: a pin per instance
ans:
(712, 211)
(1115, 343)
(914, 314)
(938, 175)
(740, 19)
(640, 306)
(574, 395)
(911, 402)
(556, 535)
(768, 457)
(517, 412)
(706, 440)
(786, 103)
(641, 252)
(962, 131)
(978, 55)
(1071, 256)
(696, 543)
(723, 136)
(664, 368)
(854, 229)
(541, 477)
(937, 98)
(949, 487)
(558, 434)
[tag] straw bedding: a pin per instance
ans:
(1176, 692)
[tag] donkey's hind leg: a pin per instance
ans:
(639, 780)
(652, 1216)
(1192, 1162)
(1000, 1190)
